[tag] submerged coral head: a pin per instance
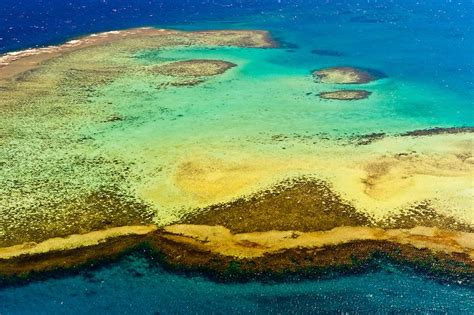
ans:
(347, 75)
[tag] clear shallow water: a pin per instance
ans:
(131, 286)
(426, 49)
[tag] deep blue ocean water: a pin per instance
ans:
(134, 286)
(427, 43)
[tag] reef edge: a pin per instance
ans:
(216, 252)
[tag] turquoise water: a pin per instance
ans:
(132, 286)
(425, 50)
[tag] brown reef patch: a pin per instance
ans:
(346, 75)
(98, 210)
(345, 95)
(311, 205)
(304, 205)
(425, 215)
(194, 68)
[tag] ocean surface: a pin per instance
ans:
(134, 286)
(425, 48)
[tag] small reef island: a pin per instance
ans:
(194, 71)
(109, 144)
(346, 75)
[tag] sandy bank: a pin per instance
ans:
(220, 240)
(216, 249)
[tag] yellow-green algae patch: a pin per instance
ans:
(381, 179)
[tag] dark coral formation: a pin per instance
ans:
(345, 95)
(372, 137)
(424, 215)
(310, 205)
(368, 138)
(438, 131)
(303, 205)
(98, 210)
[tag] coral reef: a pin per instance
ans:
(345, 95)
(346, 75)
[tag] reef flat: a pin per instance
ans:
(180, 141)
(51, 169)
(15, 63)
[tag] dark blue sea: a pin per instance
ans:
(136, 285)
(429, 44)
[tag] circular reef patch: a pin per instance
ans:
(345, 95)
(346, 75)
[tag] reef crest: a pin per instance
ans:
(214, 249)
